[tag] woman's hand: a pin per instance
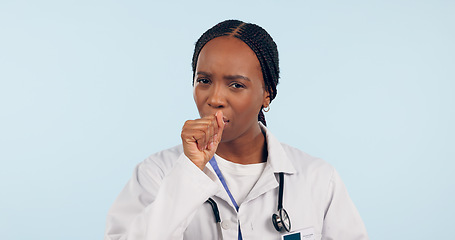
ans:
(201, 137)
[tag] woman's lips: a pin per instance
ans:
(225, 120)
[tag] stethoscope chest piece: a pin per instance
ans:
(281, 221)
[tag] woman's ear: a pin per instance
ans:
(266, 101)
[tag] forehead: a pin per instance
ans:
(228, 53)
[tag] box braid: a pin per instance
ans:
(258, 40)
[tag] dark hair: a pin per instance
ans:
(258, 40)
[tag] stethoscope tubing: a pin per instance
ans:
(215, 210)
(216, 213)
(280, 191)
(280, 208)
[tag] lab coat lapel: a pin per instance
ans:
(265, 183)
(277, 157)
(221, 193)
(277, 161)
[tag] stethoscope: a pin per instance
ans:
(280, 219)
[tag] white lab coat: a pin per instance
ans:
(165, 199)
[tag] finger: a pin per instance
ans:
(208, 136)
(211, 147)
(197, 122)
(210, 129)
(201, 125)
(201, 132)
(220, 123)
(193, 136)
(215, 122)
(214, 126)
(208, 125)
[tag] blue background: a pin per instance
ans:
(90, 88)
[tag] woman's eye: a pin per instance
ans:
(237, 85)
(203, 81)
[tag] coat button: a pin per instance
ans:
(225, 225)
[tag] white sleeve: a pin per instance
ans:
(152, 207)
(342, 220)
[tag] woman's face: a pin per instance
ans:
(229, 78)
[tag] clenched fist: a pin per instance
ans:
(200, 138)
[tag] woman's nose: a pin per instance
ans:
(216, 98)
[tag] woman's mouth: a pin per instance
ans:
(225, 120)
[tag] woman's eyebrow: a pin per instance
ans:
(226, 77)
(204, 73)
(233, 77)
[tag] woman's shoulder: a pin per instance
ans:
(166, 154)
(162, 161)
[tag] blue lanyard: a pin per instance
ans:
(223, 181)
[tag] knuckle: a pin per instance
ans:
(185, 125)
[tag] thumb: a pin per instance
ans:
(219, 120)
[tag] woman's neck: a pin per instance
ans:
(246, 150)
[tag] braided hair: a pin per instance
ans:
(258, 40)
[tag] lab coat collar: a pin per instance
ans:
(277, 158)
(277, 161)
